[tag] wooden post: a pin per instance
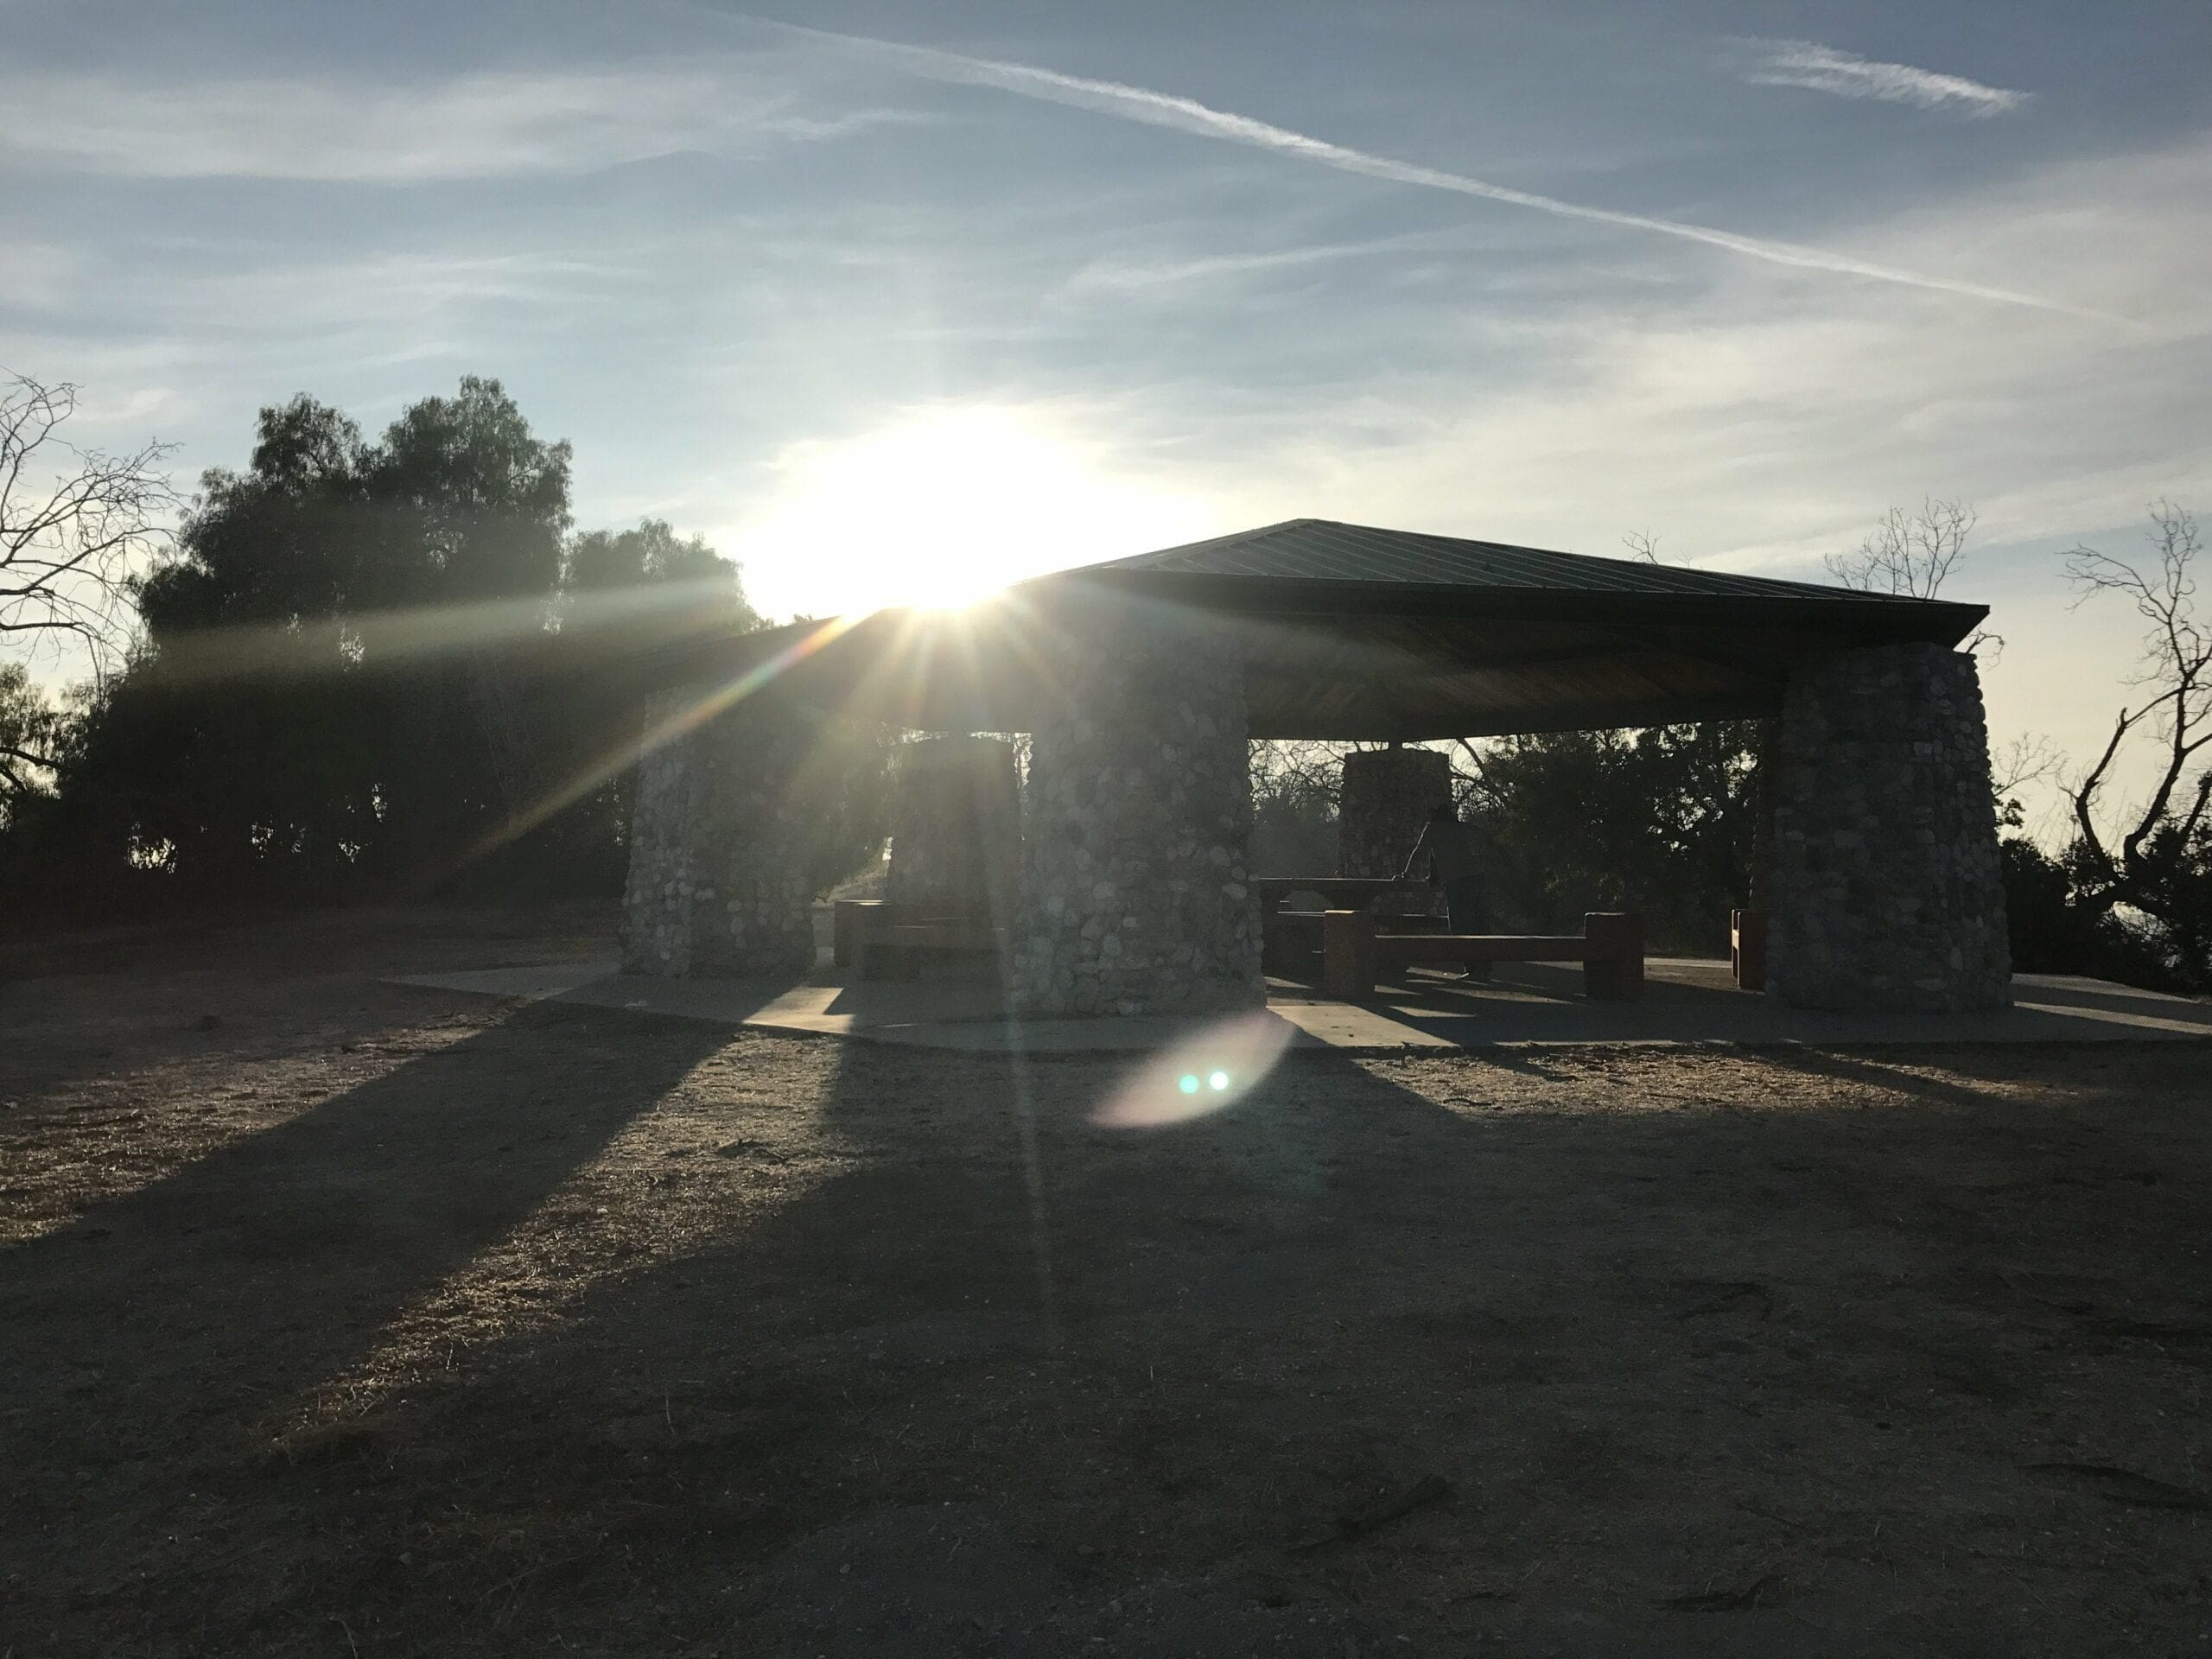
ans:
(848, 918)
(1759, 878)
(1747, 947)
(1347, 954)
(1614, 969)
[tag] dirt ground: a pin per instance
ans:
(339, 1319)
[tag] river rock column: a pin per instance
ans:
(1135, 898)
(1887, 891)
(1385, 802)
(718, 884)
(657, 893)
(955, 828)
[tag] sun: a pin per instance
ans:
(944, 505)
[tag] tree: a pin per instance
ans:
(1909, 555)
(2028, 759)
(384, 664)
(347, 682)
(482, 501)
(75, 525)
(1912, 555)
(1295, 796)
(625, 595)
(31, 731)
(1662, 820)
(600, 561)
(2160, 863)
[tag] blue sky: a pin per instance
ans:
(909, 298)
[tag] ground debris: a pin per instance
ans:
(2117, 1485)
(1759, 1592)
(1726, 1297)
(1429, 1489)
(746, 1147)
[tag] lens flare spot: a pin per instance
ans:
(1208, 1071)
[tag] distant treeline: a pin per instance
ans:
(377, 668)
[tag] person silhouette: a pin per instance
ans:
(1454, 854)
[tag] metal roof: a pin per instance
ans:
(1350, 632)
(1321, 550)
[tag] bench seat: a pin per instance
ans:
(1354, 954)
(1409, 949)
(877, 940)
(940, 936)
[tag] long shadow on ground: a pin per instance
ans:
(1702, 1375)
(191, 1315)
(1711, 1355)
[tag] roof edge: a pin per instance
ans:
(1893, 616)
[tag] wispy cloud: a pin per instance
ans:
(1122, 275)
(1187, 115)
(1829, 69)
(467, 126)
(1763, 434)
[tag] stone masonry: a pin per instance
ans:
(1886, 888)
(955, 829)
(718, 884)
(1135, 893)
(1386, 797)
(657, 894)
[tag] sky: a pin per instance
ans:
(898, 301)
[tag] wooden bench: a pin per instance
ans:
(1354, 956)
(1290, 940)
(877, 940)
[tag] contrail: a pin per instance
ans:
(1829, 69)
(1187, 115)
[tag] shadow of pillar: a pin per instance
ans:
(204, 1310)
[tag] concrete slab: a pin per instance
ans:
(1686, 1002)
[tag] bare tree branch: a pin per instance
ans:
(2026, 761)
(69, 548)
(1912, 555)
(2194, 819)
(2028, 758)
(2176, 670)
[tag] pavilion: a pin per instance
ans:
(1141, 682)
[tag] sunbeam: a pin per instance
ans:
(655, 613)
(665, 730)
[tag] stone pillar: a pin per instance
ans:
(1386, 799)
(657, 891)
(1135, 893)
(1887, 893)
(718, 884)
(955, 828)
(755, 915)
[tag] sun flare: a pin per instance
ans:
(943, 506)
